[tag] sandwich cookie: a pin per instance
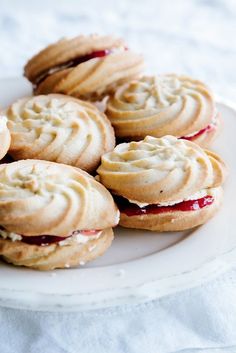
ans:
(164, 105)
(163, 184)
(61, 129)
(86, 66)
(53, 215)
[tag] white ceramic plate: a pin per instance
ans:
(140, 265)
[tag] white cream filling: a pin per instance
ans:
(196, 196)
(213, 123)
(10, 235)
(140, 204)
(116, 50)
(79, 238)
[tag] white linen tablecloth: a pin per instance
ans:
(202, 319)
(195, 37)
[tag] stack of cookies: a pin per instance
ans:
(77, 171)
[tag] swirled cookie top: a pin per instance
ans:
(48, 113)
(39, 197)
(159, 105)
(34, 179)
(159, 92)
(160, 169)
(59, 128)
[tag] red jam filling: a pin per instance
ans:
(209, 128)
(43, 240)
(95, 54)
(131, 209)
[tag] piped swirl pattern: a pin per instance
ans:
(160, 105)
(46, 198)
(61, 129)
(160, 170)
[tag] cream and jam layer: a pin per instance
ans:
(193, 203)
(77, 237)
(210, 127)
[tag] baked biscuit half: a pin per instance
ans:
(86, 66)
(53, 215)
(163, 184)
(164, 105)
(61, 129)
